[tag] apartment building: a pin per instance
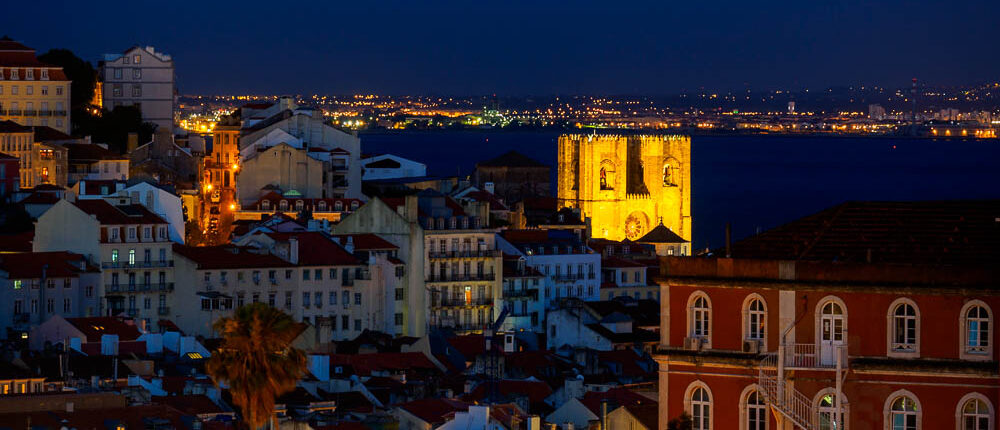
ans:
(834, 321)
(141, 77)
(35, 286)
(32, 92)
(570, 266)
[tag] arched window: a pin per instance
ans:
(976, 325)
(338, 206)
(904, 328)
(283, 205)
(699, 406)
(903, 414)
(754, 318)
(354, 205)
(322, 206)
(265, 205)
(827, 416)
(299, 205)
(974, 413)
(753, 410)
(700, 317)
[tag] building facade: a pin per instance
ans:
(514, 177)
(626, 185)
(823, 323)
(141, 77)
(39, 285)
(571, 268)
(32, 92)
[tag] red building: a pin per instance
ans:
(9, 176)
(885, 309)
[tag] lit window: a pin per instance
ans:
(131, 254)
(977, 320)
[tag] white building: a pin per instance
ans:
(570, 266)
(296, 148)
(158, 200)
(140, 77)
(388, 166)
(35, 286)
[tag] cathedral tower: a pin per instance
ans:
(627, 185)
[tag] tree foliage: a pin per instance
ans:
(257, 360)
(81, 72)
(682, 422)
(113, 127)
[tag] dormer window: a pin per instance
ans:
(265, 205)
(465, 222)
(299, 205)
(354, 205)
(440, 223)
(13, 75)
(29, 74)
(453, 223)
(322, 205)
(45, 74)
(338, 206)
(283, 205)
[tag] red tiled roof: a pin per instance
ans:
(316, 249)
(90, 152)
(45, 134)
(469, 345)
(615, 397)
(30, 265)
(228, 257)
(9, 126)
(116, 215)
(627, 358)
(312, 204)
(525, 236)
(536, 391)
(365, 364)
(190, 404)
(40, 199)
(434, 411)
(20, 242)
(366, 242)
(617, 263)
(95, 327)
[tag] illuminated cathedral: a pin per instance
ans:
(627, 185)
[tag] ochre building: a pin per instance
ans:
(627, 185)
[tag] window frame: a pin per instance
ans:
(693, 314)
(745, 407)
(689, 404)
(960, 409)
(747, 316)
(891, 350)
(964, 352)
(887, 411)
(845, 406)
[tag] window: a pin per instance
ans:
(700, 407)
(753, 411)
(700, 314)
(136, 59)
(131, 254)
(400, 294)
(902, 412)
(975, 413)
(319, 299)
(117, 73)
(976, 323)
(755, 318)
(305, 274)
(59, 91)
(136, 73)
(288, 299)
(29, 90)
(399, 319)
(903, 329)
(136, 90)
(318, 274)
(357, 325)
(67, 305)
(305, 300)
(333, 298)
(345, 322)
(114, 254)
(827, 417)
(357, 298)
(45, 92)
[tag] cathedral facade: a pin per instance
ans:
(627, 185)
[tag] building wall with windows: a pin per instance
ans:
(464, 273)
(36, 286)
(918, 340)
(32, 92)
(222, 163)
(140, 77)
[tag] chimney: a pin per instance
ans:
(133, 142)
(604, 414)
(729, 240)
(293, 250)
(349, 247)
(534, 422)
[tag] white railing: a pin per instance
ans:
(786, 400)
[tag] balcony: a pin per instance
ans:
(163, 310)
(486, 253)
(572, 277)
(461, 303)
(30, 112)
(44, 112)
(14, 112)
(113, 288)
(530, 293)
(136, 265)
(464, 277)
(60, 113)
(164, 286)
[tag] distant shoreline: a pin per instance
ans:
(685, 133)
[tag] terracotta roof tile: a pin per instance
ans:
(107, 213)
(30, 265)
(228, 257)
(95, 327)
(317, 249)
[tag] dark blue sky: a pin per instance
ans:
(517, 48)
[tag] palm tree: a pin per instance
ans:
(256, 360)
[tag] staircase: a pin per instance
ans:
(785, 400)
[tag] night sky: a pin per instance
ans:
(521, 48)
